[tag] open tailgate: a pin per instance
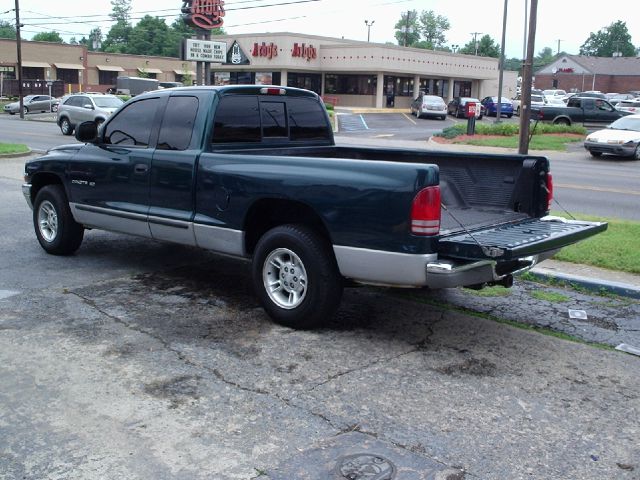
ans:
(524, 238)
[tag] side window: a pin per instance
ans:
(177, 125)
(307, 120)
(132, 125)
(274, 120)
(237, 120)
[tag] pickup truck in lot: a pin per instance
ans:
(587, 110)
(253, 172)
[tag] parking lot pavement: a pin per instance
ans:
(178, 374)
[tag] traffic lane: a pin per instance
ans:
(38, 135)
(182, 361)
(607, 187)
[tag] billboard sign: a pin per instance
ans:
(205, 51)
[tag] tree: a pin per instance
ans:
(487, 47)
(151, 37)
(48, 37)
(432, 29)
(118, 36)
(407, 29)
(7, 30)
(94, 42)
(612, 39)
(543, 58)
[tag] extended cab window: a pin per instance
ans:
(177, 125)
(274, 119)
(237, 120)
(307, 120)
(132, 125)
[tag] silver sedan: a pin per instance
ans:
(33, 104)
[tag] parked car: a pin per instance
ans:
(456, 107)
(622, 137)
(162, 85)
(491, 106)
(632, 106)
(537, 100)
(591, 94)
(554, 93)
(578, 109)
(33, 104)
(83, 107)
(619, 97)
(429, 106)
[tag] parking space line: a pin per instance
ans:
(363, 122)
(410, 119)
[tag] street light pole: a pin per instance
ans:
(366, 22)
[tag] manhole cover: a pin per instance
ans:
(366, 467)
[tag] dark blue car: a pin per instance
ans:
(491, 106)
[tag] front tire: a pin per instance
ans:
(636, 155)
(57, 231)
(65, 126)
(296, 277)
(596, 154)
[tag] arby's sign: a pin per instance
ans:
(204, 14)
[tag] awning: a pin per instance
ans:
(149, 70)
(69, 66)
(35, 64)
(110, 68)
(185, 72)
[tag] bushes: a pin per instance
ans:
(510, 129)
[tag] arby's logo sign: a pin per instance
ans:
(204, 14)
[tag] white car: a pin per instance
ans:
(631, 106)
(622, 138)
(536, 101)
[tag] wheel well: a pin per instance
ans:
(41, 180)
(269, 213)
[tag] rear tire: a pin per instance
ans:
(57, 231)
(636, 155)
(296, 277)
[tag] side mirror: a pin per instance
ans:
(87, 132)
(88, 106)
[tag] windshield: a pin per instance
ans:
(626, 123)
(107, 102)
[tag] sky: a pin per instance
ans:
(566, 24)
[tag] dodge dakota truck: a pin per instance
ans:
(587, 110)
(253, 172)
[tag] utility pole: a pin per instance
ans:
(366, 22)
(527, 74)
(475, 41)
(501, 64)
(407, 28)
(19, 68)
(558, 51)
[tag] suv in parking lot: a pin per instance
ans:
(82, 107)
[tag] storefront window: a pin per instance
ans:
(308, 81)
(350, 84)
(32, 73)
(461, 89)
(67, 75)
(107, 78)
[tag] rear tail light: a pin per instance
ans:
(549, 190)
(425, 212)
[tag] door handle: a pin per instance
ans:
(141, 168)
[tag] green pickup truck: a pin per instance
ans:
(253, 172)
(586, 110)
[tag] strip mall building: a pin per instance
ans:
(347, 72)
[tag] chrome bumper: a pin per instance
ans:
(26, 191)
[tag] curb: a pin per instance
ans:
(592, 285)
(16, 155)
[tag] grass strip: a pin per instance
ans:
(615, 249)
(538, 142)
(6, 148)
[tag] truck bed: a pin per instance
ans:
(477, 190)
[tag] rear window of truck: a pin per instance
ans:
(248, 118)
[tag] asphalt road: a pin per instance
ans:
(138, 359)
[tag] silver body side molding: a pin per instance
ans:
(223, 240)
(378, 267)
(112, 220)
